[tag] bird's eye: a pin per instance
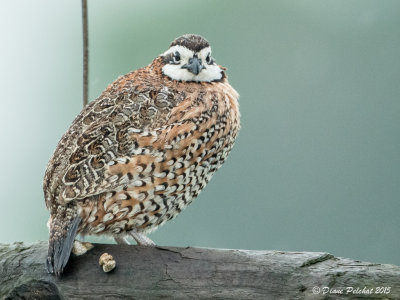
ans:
(177, 56)
(208, 58)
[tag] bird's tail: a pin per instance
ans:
(63, 226)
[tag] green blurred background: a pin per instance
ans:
(316, 166)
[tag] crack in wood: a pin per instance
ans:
(317, 260)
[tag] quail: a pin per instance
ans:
(140, 153)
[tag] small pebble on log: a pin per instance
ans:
(107, 261)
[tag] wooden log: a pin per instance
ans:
(182, 273)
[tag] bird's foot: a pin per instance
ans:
(141, 239)
(121, 240)
(81, 248)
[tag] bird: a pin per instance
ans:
(141, 152)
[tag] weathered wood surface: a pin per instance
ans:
(182, 273)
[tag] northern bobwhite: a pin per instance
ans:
(140, 153)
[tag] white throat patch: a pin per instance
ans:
(173, 69)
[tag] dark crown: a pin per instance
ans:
(193, 42)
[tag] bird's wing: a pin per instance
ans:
(118, 129)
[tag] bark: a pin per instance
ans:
(182, 273)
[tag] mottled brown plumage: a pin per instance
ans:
(140, 153)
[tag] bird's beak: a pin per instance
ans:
(194, 66)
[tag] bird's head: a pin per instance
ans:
(189, 59)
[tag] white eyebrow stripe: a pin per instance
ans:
(204, 52)
(182, 50)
